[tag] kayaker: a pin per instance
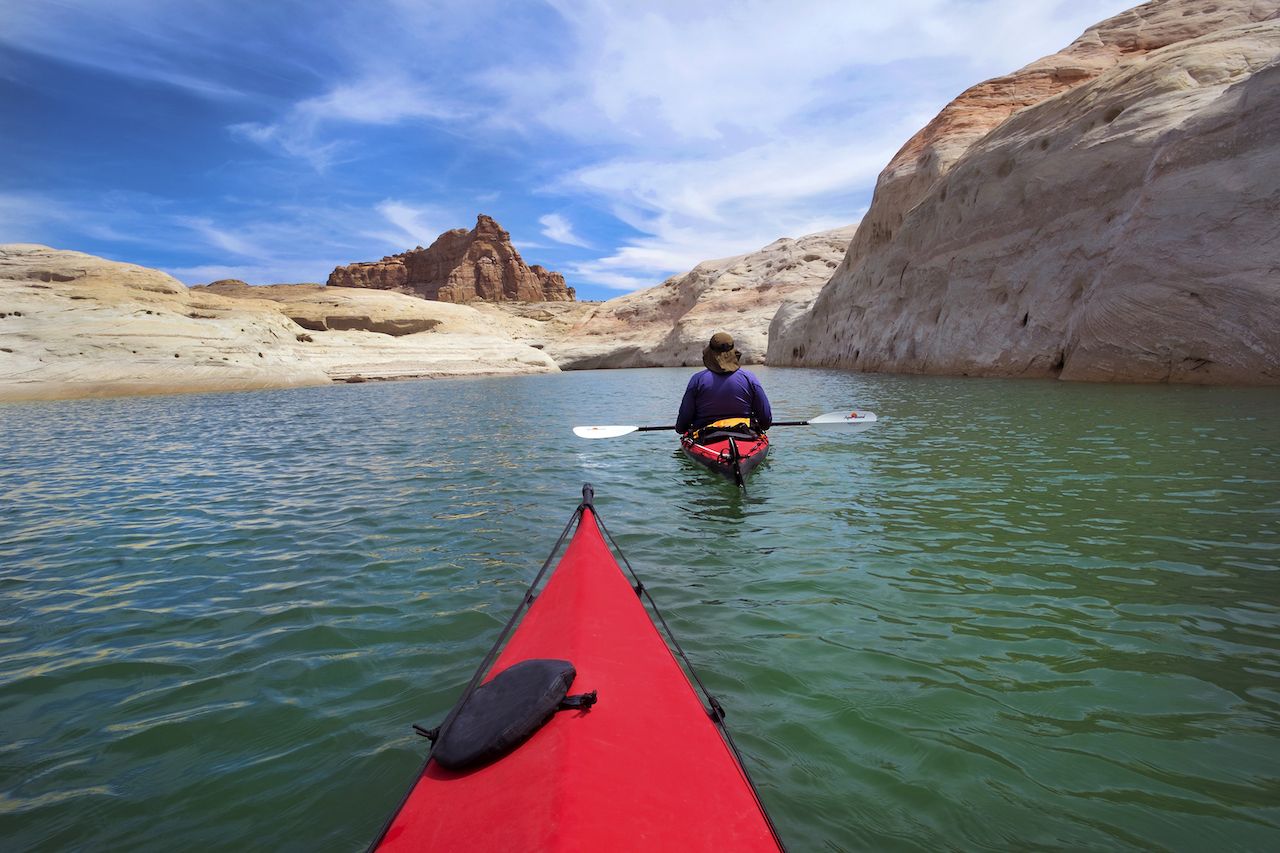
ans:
(723, 391)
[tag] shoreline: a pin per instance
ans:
(51, 391)
(46, 391)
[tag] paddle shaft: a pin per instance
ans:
(827, 419)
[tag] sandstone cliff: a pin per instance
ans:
(73, 325)
(668, 325)
(1107, 213)
(460, 266)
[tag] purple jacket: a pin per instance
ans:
(712, 396)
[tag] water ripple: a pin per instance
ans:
(1015, 615)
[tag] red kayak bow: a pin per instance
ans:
(647, 767)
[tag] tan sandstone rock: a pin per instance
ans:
(460, 266)
(74, 325)
(1122, 229)
(668, 325)
(322, 309)
(537, 324)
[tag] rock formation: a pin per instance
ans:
(322, 309)
(73, 325)
(460, 266)
(1107, 213)
(668, 325)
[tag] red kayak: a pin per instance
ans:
(646, 767)
(731, 451)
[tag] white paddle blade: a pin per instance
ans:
(603, 431)
(859, 420)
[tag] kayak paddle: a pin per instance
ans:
(861, 420)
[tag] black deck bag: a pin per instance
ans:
(503, 712)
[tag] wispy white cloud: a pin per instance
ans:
(295, 141)
(24, 217)
(28, 217)
(285, 270)
(415, 224)
(271, 245)
(667, 248)
(603, 274)
(382, 98)
(671, 71)
(148, 42)
(696, 209)
(556, 227)
(305, 129)
(222, 239)
(698, 130)
(774, 176)
(284, 249)
(736, 125)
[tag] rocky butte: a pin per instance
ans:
(479, 265)
(1108, 213)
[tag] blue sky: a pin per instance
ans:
(618, 142)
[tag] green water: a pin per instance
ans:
(1014, 615)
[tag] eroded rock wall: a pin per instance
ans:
(1122, 228)
(668, 325)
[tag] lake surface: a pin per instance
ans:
(1013, 615)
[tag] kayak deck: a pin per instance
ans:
(646, 768)
(716, 452)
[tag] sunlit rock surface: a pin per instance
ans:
(322, 309)
(668, 325)
(74, 325)
(1116, 220)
